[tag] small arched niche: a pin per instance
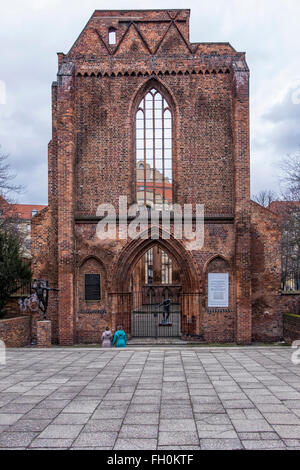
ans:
(218, 284)
(91, 285)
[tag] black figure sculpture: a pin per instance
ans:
(166, 304)
(42, 289)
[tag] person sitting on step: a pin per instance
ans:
(106, 338)
(120, 338)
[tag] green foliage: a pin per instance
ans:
(14, 272)
(292, 315)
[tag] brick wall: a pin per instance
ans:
(202, 150)
(219, 324)
(13, 309)
(291, 327)
(16, 332)
(265, 275)
(90, 327)
(219, 327)
(290, 303)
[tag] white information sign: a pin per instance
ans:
(218, 289)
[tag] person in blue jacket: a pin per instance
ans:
(120, 338)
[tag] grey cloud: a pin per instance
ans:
(285, 119)
(288, 109)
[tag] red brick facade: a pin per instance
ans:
(92, 161)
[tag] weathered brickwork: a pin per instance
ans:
(265, 275)
(206, 106)
(219, 327)
(218, 323)
(290, 303)
(12, 309)
(92, 161)
(90, 327)
(16, 332)
(291, 328)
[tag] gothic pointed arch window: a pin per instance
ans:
(154, 151)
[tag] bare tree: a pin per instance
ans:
(7, 186)
(14, 270)
(291, 251)
(290, 182)
(265, 197)
(8, 189)
(290, 179)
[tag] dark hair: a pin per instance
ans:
(107, 328)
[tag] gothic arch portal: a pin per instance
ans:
(121, 295)
(131, 254)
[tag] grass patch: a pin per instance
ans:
(291, 315)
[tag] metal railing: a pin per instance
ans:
(147, 317)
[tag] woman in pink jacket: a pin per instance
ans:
(106, 338)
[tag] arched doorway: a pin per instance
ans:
(186, 275)
(155, 279)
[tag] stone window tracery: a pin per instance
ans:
(154, 151)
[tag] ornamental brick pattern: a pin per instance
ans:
(92, 161)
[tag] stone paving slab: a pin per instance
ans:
(164, 398)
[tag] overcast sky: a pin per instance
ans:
(32, 31)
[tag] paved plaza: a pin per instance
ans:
(150, 398)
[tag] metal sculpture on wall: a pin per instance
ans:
(41, 288)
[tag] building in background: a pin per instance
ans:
(24, 214)
(17, 218)
(20, 216)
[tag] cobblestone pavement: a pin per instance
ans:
(150, 398)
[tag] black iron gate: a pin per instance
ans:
(147, 315)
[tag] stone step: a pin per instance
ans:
(155, 341)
